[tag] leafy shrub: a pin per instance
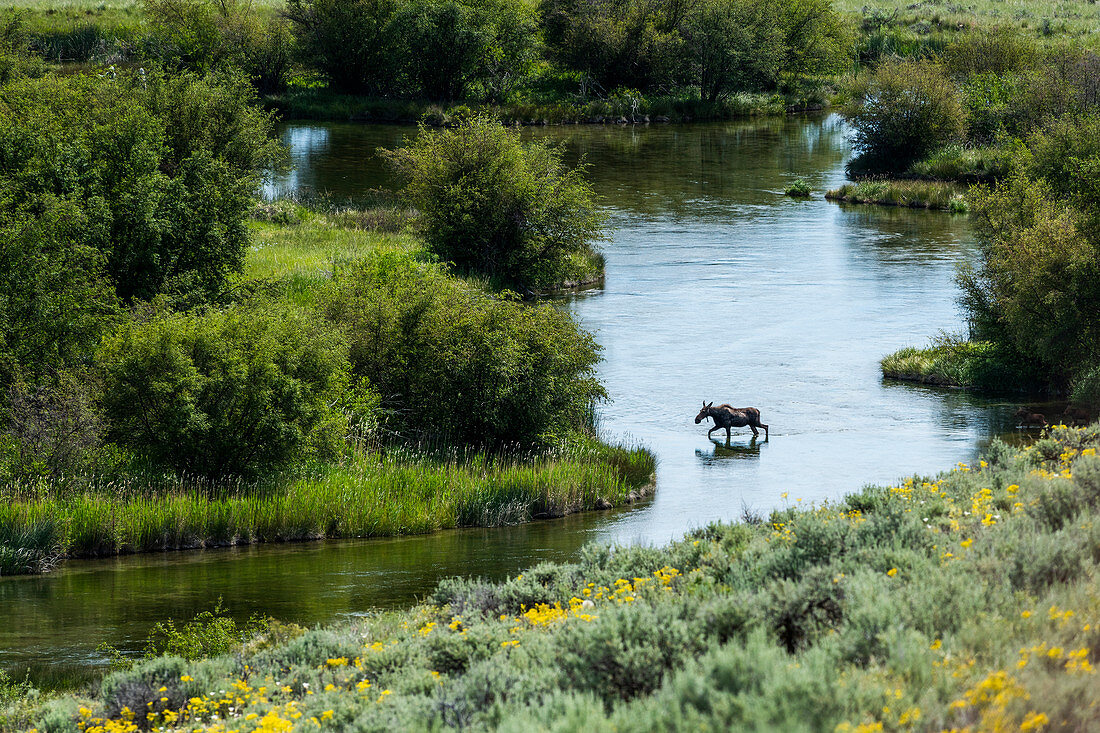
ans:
(901, 112)
(55, 297)
(498, 207)
(150, 178)
(52, 429)
(628, 653)
(998, 51)
(1086, 389)
(1038, 234)
(226, 392)
(452, 360)
(450, 48)
(443, 50)
(208, 634)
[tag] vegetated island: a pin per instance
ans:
(186, 367)
(910, 607)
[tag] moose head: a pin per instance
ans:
(703, 414)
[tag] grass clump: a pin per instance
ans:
(911, 194)
(798, 189)
(961, 600)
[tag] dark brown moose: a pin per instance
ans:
(1027, 419)
(731, 417)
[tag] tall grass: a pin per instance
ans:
(373, 495)
(912, 194)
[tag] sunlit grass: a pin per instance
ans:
(911, 194)
(372, 495)
(314, 248)
(1063, 17)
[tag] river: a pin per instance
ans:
(718, 288)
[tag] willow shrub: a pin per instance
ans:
(227, 391)
(499, 207)
(901, 112)
(156, 174)
(451, 360)
(1036, 286)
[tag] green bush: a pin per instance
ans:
(1039, 235)
(1086, 388)
(498, 207)
(901, 112)
(152, 175)
(349, 41)
(226, 392)
(454, 49)
(452, 361)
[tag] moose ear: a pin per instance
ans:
(711, 404)
(704, 403)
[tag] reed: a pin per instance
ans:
(372, 495)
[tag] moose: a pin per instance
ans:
(1027, 419)
(731, 417)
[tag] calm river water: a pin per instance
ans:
(718, 288)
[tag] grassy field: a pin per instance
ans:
(964, 601)
(1073, 18)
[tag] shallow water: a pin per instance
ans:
(718, 287)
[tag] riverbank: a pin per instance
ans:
(372, 495)
(911, 607)
(322, 104)
(911, 194)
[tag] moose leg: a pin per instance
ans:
(755, 434)
(727, 433)
(712, 430)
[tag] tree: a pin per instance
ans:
(160, 170)
(452, 361)
(350, 41)
(735, 46)
(1036, 286)
(496, 206)
(901, 112)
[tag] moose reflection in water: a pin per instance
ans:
(728, 417)
(724, 450)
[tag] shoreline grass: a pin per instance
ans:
(373, 495)
(950, 361)
(961, 601)
(911, 194)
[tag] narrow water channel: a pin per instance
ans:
(718, 288)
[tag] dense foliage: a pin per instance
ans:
(204, 35)
(152, 174)
(436, 49)
(498, 207)
(1036, 286)
(227, 391)
(966, 600)
(902, 112)
(716, 46)
(452, 361)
